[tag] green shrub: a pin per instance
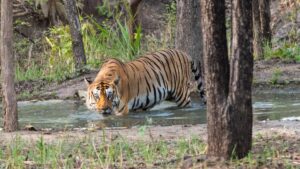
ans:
(101, 41)
(32, 72)
(60, 55)
(277, 73)
(286, 51)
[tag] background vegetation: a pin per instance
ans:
(50, 56)
(94, 152)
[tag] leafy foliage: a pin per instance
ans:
(100, 42)
(286, 51)
(275, 76)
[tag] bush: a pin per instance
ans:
(100, 42)
(285, 51)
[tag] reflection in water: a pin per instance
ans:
(67, 114)
(276, 106)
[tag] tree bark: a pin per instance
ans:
(228, 14)
(265, 19)
(90, 7)
(257, 32)
(75, 30)
(239, 103)
(9, 101)
(229, 104)
(133, 21)
(216, 72)
(188, 37)
(134, 4)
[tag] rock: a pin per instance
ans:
(283, 32)
(81, 94)
(30, 127)
(291, 118)
(152, 15)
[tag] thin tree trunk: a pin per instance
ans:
(132, 21)
(257, 32)
(134, 4)
(239, 103)
(229, 15)
(52, 12)
(9, 101)
(75, 30)
(229, 103)
(90, 7)
(265, 19)
(216, 73)
(188, 37)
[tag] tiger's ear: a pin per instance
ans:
(87, 82)
(117, 80)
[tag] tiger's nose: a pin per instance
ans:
(107, 110)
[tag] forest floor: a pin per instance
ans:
(275, 145)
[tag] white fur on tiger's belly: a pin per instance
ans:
(142, 100)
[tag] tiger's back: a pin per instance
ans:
(159, 76)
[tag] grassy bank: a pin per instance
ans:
(277, 151)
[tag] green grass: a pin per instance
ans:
(271, 152)
(92, 152)
(277, 73)
(25, 95)
(286, 51)
(95, 152)
(33, 72)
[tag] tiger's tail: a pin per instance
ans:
(196, 69)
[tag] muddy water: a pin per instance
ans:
(70, 114)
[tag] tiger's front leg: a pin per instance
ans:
(183, 99)
(123, 111)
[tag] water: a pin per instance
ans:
(61, 114)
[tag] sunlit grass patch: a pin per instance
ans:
(93, 151)
(275, 151)
(285, 51)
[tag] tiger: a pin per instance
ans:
(145, 82)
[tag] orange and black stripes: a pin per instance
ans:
(145, 82)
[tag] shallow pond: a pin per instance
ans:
(61, 114)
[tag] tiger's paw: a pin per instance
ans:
(119, 114)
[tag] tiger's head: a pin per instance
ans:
(103, 96)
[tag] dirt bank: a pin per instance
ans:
(268, 128)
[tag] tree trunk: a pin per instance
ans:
(132, 21)
(188, 37)
(265, 19)
(134, 4)
(257, 32)
(75, 30)
(90, 7)
(216, 72)
(9, 101)
(239, 103)
(228, 14)
(229, 104)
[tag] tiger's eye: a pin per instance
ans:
(109, 93)
(96, 93)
